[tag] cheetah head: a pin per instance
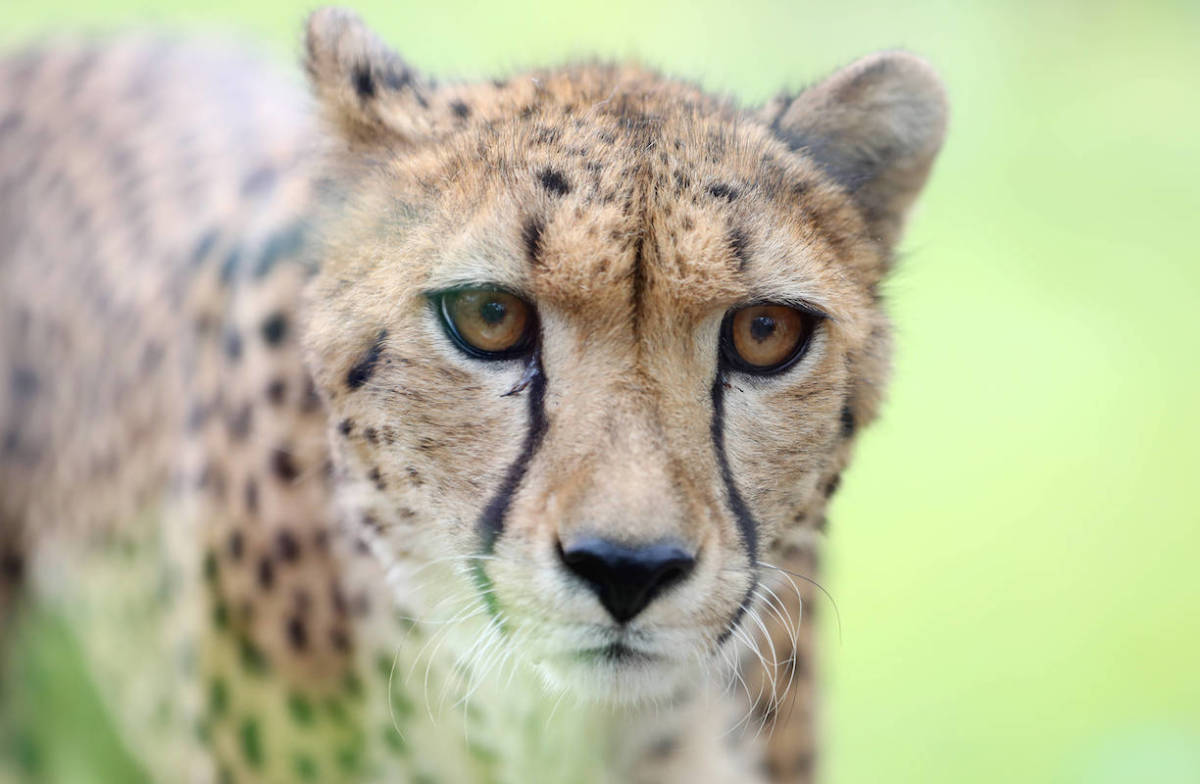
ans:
(594, 342)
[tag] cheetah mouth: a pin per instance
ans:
(614, 672)
(616, 653)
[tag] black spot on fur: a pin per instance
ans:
(233, 345)
(339, 639)
(554, 181)
(252, 496)
(284, 465)
(849, 424)
(287, 546)
(364, 83)
(237, 546)
(832, 486)
(362, 370)
(346, 427)
(12, 567)
(723, 191)
(152, 355)
(375, 476)
(531, 233)
(277, 391)
(229, 267)
(24, 383)
(259, 181)
(397, 78)
(239, 423)
(297, 634)
(10, 122)
(280, 245)
(266, 573)
(203, 247)
(274, 328)
(461, 110)
(737, 241)
(312, 400)
(372, 435)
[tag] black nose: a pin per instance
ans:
(626, 579)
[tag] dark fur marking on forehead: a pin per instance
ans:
(639, 283)
(554, 181)
(737, 242)
(722, 191)
(460, 109)
(364, 368)
(531, 234)
(491, 522)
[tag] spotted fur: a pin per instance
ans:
(235, 435)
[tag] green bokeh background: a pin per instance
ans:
(1016, 552)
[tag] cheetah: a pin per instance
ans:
(408, 431)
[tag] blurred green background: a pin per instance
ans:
(1017, 549)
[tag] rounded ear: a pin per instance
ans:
(875, 127)
(366, 91)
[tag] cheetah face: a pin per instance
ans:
(594, 343)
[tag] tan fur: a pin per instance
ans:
(631, 209)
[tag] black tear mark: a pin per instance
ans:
(364, 83)
(723, 191)
(491, 522)
(737, 242)
(460, 109)
(531, 233)
(554, 181)
(365, 367)
(741, 512)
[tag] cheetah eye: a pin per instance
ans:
(487, 323)
(766, 338)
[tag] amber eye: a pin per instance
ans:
(488, 323)
(766, 338)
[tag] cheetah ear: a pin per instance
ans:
(367, 93)
(875, 127)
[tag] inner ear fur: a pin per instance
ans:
(366, 92)
(874, 127)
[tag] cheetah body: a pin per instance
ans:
(239, 455)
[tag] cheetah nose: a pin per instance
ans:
(626, 579)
